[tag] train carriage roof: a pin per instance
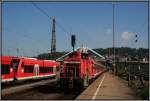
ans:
(5, 59)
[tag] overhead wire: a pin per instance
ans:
(138, 29)
(143, 24)
(56, 22)
(46, 14)
(24, 36)
(138, 33)
(63, 29)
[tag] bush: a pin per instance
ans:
(144, 93)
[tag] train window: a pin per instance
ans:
(41, 70)
(28, 69)
(51, 69)
(84, 55)
(46, 69)
(5, 69)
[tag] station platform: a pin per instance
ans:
(108, 86)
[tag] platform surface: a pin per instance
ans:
(108, 86)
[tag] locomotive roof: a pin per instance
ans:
(50, 60)
(82, 49)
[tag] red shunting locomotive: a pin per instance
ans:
(79, 71)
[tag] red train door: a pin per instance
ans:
(15, 64)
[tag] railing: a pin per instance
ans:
(133, 68)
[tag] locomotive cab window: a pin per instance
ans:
(5, 69)
(84, 55)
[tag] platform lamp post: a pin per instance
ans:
(138, 55)
(138, 59)
(114, 65)
(129, 79)
(129, 70)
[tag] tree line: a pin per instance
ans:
(120, 52)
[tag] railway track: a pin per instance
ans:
(19, 83)
(44, 90)
(8, 89)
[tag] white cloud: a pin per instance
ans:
(126, 36)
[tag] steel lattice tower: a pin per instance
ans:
(53, 41)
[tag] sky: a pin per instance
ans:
(26, 31)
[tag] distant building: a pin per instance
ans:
(122, 59)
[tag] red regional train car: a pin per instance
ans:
(27, 68)
(6, 70)
(79, 71)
